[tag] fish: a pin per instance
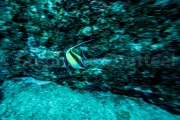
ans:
(72, 60)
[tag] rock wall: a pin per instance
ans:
(134, 52)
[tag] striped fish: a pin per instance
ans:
(74, 61)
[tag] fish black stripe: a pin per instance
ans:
(68, 66)
(77, 60)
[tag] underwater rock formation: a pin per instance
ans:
(135, 51)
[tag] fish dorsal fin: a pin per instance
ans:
(82, 55)
(81, 43)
